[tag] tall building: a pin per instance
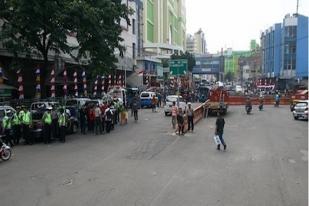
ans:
(196, 44)
(164, 27)
(131, 35)
(285, 50)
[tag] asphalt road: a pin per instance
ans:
(145, 163)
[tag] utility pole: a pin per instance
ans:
(297, 6)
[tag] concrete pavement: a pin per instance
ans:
(145, 163)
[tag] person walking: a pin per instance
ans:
(16, 127)
(91, 118)
(47, 121)
(219, 130)
(26, 118)
(82, 119)
(135, 105)
(174, 114)
(180, 121)
(97, 123)
(7, 127)
(62, 125)
(190, 115)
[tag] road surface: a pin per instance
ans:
(146, 164)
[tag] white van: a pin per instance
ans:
(146, 98)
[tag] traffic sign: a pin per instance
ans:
(178, 66)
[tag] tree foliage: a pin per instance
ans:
(229, 76)
(187, 55)
(43, 26)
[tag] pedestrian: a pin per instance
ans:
(108, 119)
(62, 125)
(103, 108)
(91, 118)
(98, 123)
(174, 114)
(16, 127)
(26, 118)
(135, 105)
(54, 124)
(82, 119)
(7, 127)
(219, 130)
(47, 121)
(180, 121)
(153, 103)
(190, 115)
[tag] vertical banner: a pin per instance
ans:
(84, 83)
(75, 84)
(95, 87)
(65, 82)
(52, 84)
(38, 83)
(102, 85)
(20, 84)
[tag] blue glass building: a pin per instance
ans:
(285, 50)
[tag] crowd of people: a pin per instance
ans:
(178, 117)
(55, 122)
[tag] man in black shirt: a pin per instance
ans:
(219, 130)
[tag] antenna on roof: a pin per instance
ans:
(297, 6)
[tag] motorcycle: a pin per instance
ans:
(5, 151)
(277, 103)
(248, 109)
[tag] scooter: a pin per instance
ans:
(5, 151)
(248, 109)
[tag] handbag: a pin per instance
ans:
(217, 140)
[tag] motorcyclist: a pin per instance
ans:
(277, 99)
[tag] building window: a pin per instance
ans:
(133, 26)
(133, 51)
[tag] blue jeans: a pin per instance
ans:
(221, 139)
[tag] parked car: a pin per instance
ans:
(6, 110)
(146, 98)
(42, 106)
(301, 110)
(169, 103)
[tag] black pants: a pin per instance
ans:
(135, 115)
(190, 123)
(83, 126)
(55, 129)
(108, 126)
(16, 132)
(47, 133)
(26, 134)
(8, 137)
(103, 124)
(180, 129)
(98, 125)
(62, 131)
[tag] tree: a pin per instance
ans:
(41, 26)
(187, 55)
(229, 76)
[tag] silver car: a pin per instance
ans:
(169, 103)
(301, 110)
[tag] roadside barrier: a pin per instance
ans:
(268, 100)
(199, 113)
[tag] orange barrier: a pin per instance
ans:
(199, 113)
(268, 100)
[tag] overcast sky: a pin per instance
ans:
(233, 23)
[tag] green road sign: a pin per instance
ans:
(178, 66)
